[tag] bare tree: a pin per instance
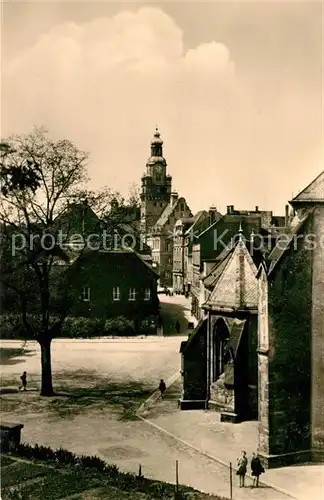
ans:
(39, 178)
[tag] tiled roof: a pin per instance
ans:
(292, 230)
(313, 192)
(236, 287)
(165, 215)
(216, 272)
(211, 226)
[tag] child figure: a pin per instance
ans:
(162, 387)
(241, 470)
(23, 379)
(257, 469)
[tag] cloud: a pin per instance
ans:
(106, 83)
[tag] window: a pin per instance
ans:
(132, 293)
(85, 294)
(116, 293)
(158, 178)
(147, 294)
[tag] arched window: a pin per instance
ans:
(220, 341)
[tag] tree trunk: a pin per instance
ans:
(47, 386)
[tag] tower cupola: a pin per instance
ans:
(156, 150)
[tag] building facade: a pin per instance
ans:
(156, 186)
(160, 209)
(116, 283)
(184, 233)
(160, 237)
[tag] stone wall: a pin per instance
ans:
(194, 366)
(222, 398)
(318, 332)
(290, 299)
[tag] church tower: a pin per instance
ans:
(156, 186)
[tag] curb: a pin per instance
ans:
(212, 457)
(156, 395)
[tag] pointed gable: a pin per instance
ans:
(237, 287)
(282, 245)
(314, 192)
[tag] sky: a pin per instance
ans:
(234, 87)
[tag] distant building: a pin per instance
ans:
(185, 230)
(115, 274)
(217, 237)
(116, 283)
(117, 278)
(160, 209)
(156, 186)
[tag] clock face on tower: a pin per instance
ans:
(158, 169)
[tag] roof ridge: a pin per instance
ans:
(307, 187)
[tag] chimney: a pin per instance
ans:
(286, 215)
(256, 208)
(174, 198)
(212, 215)
(230, 209)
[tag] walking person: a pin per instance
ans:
(162, 387)
(241, 468)
(177, 326)
(257, 469)
(23, 379)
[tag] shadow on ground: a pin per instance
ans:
(81, 391)
(8, 355)
(171, 313)
(78, 392)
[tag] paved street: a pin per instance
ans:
(174, 308)
(130, 443)
(204, 431)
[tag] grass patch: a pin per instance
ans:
(20, 472)
(4, 460)
(110, 493)
(56, 485)
(10, 404)
(82, 478)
